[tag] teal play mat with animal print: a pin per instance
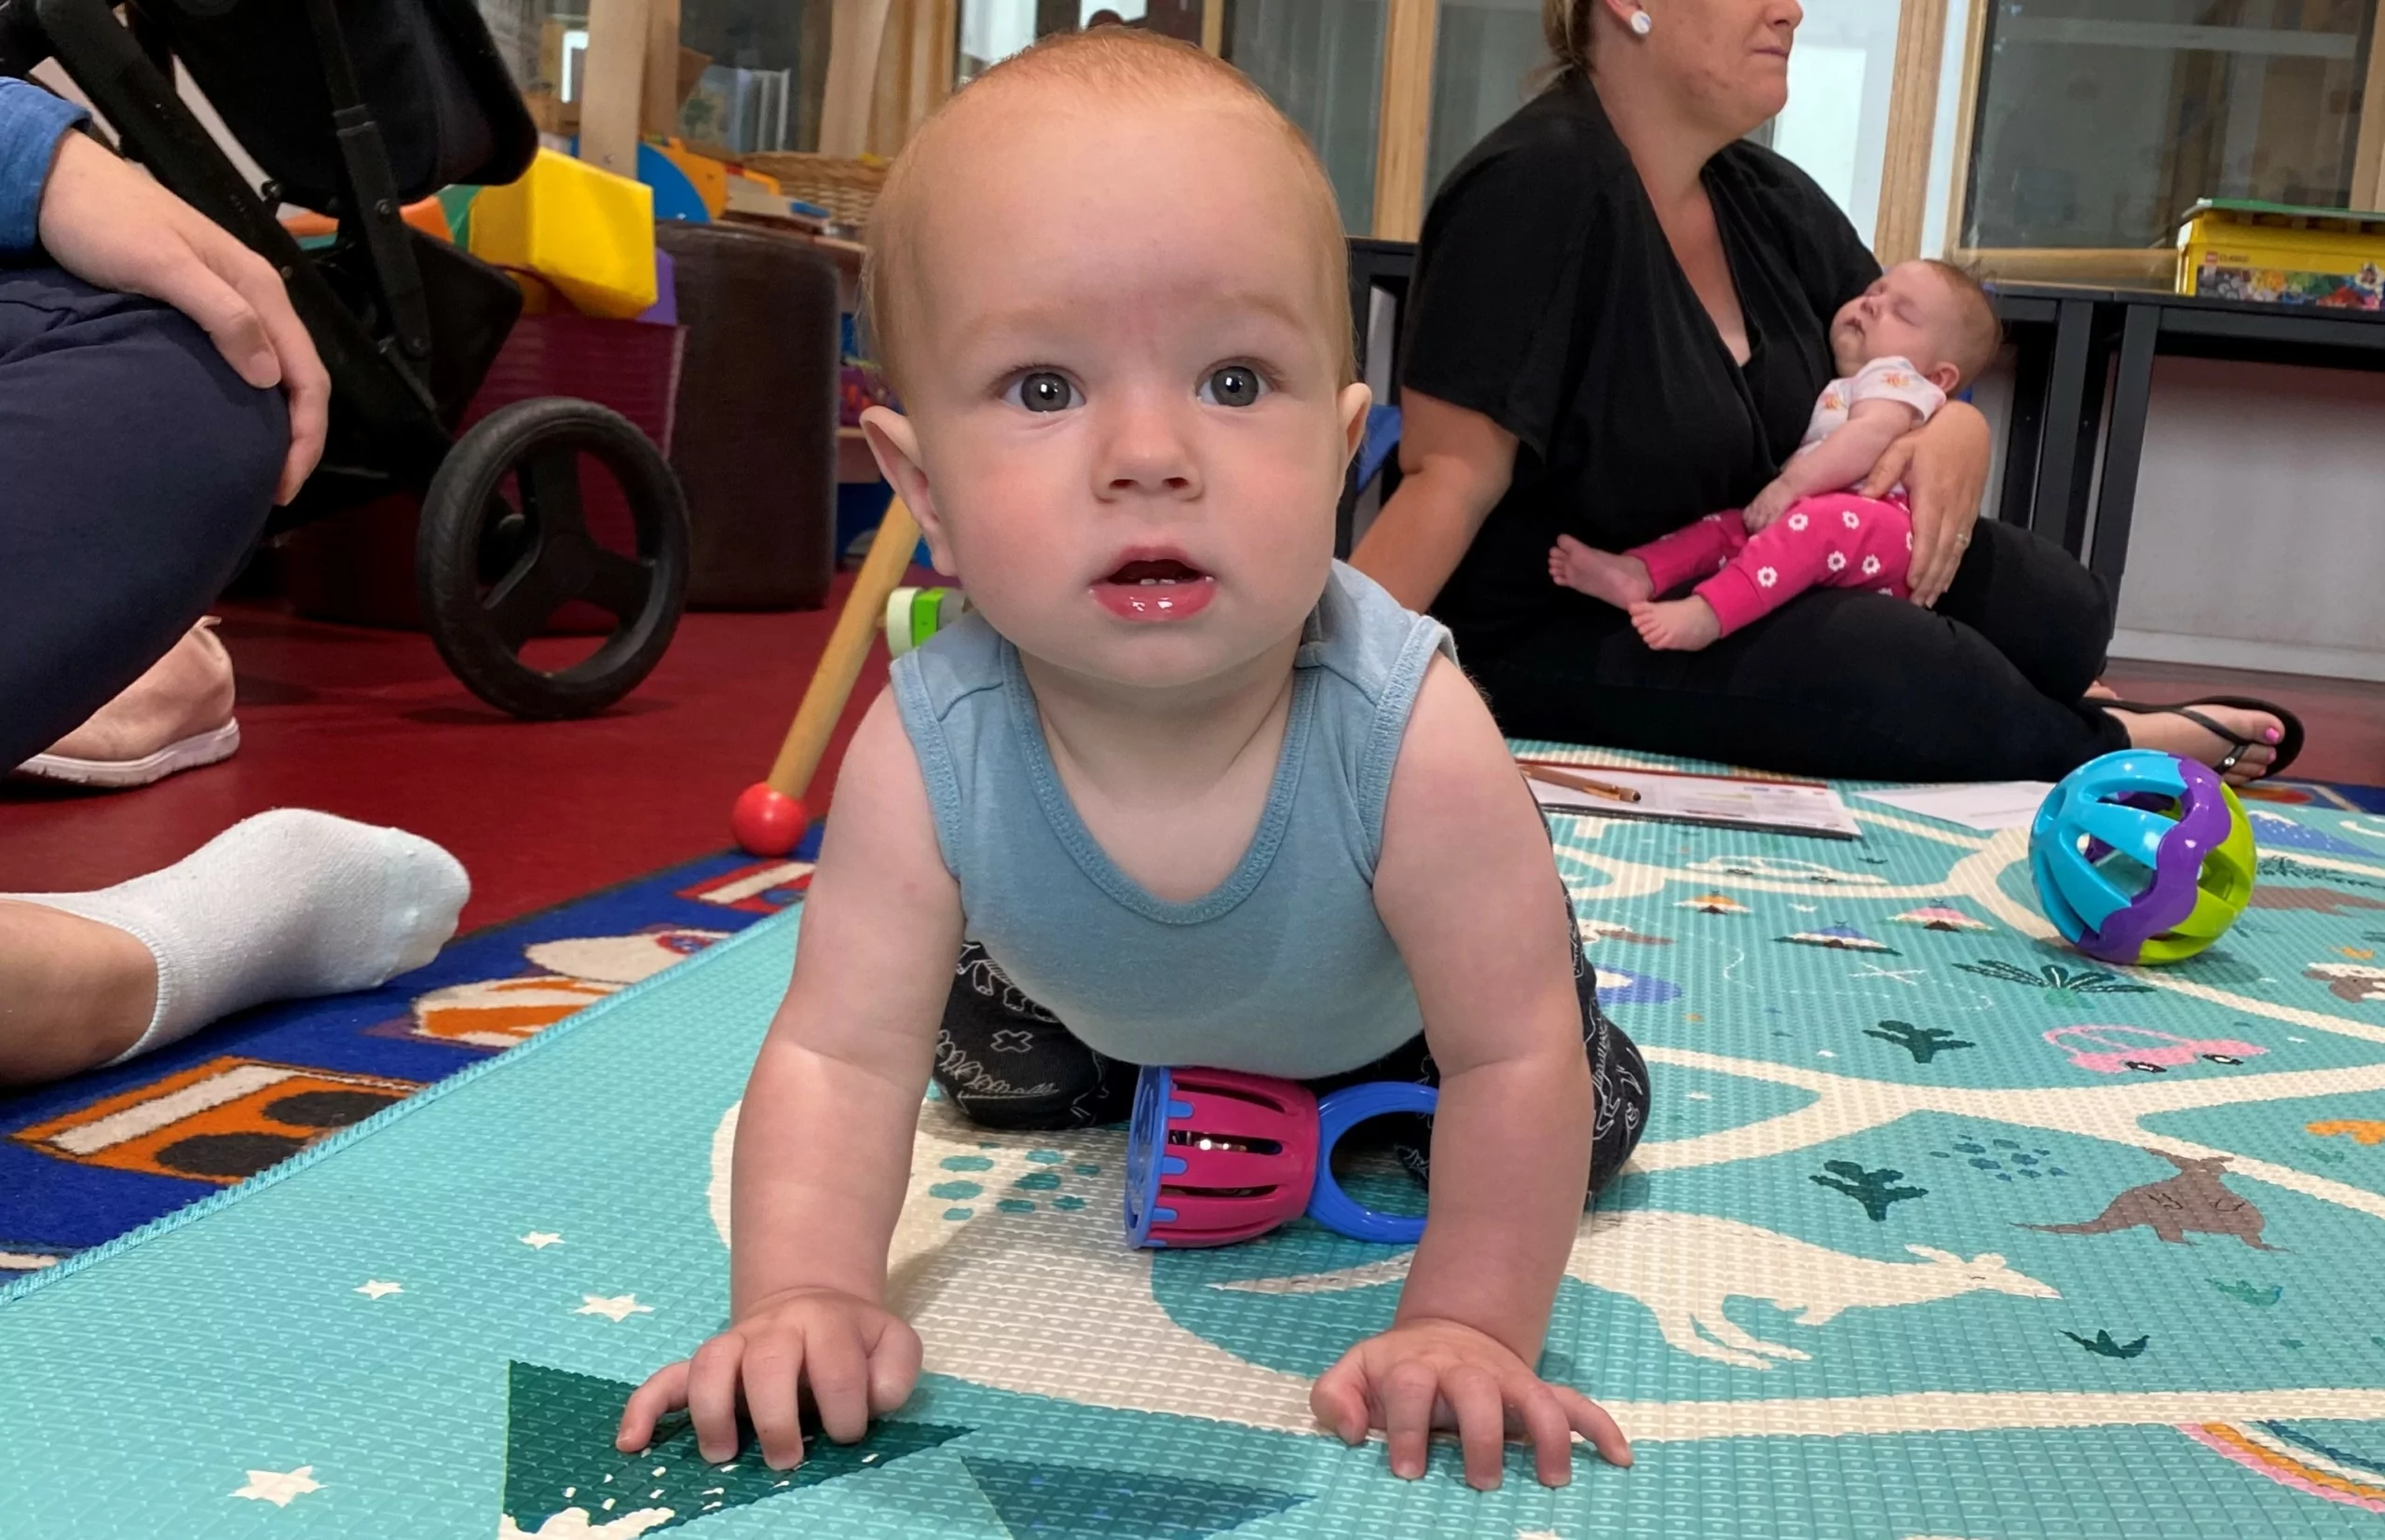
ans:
(1941, 1229)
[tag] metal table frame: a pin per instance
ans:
(2071, 340)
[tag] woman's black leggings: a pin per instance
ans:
(1008, 1063)
(1988, 685)
(139, 472)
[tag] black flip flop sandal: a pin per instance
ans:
(2287, 747)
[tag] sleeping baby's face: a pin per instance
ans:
(1121, 353)
(1911, 311)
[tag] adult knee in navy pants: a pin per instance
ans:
(140, 467)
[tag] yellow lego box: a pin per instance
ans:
(2282, 255)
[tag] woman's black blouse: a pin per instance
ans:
(1546, 298)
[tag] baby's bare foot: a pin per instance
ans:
(1620, 580)
(2175, 734)
(1677, 625)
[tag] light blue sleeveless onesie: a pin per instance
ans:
(1284, 968)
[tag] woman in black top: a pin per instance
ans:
(1619, 324)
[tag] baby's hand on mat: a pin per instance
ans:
(851, 1360)
(1426, 1373)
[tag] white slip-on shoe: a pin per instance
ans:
(176, 716)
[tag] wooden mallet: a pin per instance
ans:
(770, 818)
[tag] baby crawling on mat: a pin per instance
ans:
(1183, 790)
(1920, 332)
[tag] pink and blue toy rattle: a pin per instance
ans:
(1216, 1156)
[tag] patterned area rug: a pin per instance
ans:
(84, 1162)
(1941, 1231)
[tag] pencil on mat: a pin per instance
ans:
(1582, 783)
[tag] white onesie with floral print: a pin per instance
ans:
(1881, 379)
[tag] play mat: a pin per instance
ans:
(1941, 1231)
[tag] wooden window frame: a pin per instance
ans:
(2127, 267)
(916, 74)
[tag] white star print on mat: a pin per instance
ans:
(614, 1309)
(279, 1487)
(374, 1288)
(539, 1240)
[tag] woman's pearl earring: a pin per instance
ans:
(1642, 23)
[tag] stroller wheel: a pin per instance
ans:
(506, 542)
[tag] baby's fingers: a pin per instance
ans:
(1551, 1435)
(838, 1369)
(1409, 1394)
(772, 1371)
(893, 1366)
(665, 1390)
(711, 1396)
(1588, 1418)
(1473, 1399)
(1338, 1401)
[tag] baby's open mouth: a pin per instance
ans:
(1156, 587)
(1164, 572)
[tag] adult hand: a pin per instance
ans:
(110, 224)
(1943, 467)
(1426, 1373)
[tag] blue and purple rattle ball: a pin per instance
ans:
(2142, 858)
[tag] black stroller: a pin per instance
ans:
(355, 108)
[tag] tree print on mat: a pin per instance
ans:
(1875, 1190)
(559, 1456)
(1923, 1042)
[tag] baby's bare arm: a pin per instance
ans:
(825, 1137)
(1848, 455)
(1468, 889)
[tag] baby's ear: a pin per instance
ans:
(1353, 404)
(895, 444)
(1945, 376)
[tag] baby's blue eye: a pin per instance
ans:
(1043, 391)
(1233, 384)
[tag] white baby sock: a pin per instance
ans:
(286, 903)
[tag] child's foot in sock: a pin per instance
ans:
(286, 903)
(1677, 625)
(1620, 580)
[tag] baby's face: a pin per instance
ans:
(1910, 311)
(1121, 382)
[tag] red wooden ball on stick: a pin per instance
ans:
(766, 821)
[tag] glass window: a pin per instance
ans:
(1489, 53)
(514, 26)
(758, 87)
(1836, 127)
(2100, 122)
(768, 71)
(993, 30)
(1945, 129)
(1322, 62)
(1486, 59)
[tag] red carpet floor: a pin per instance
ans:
(369, 724)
